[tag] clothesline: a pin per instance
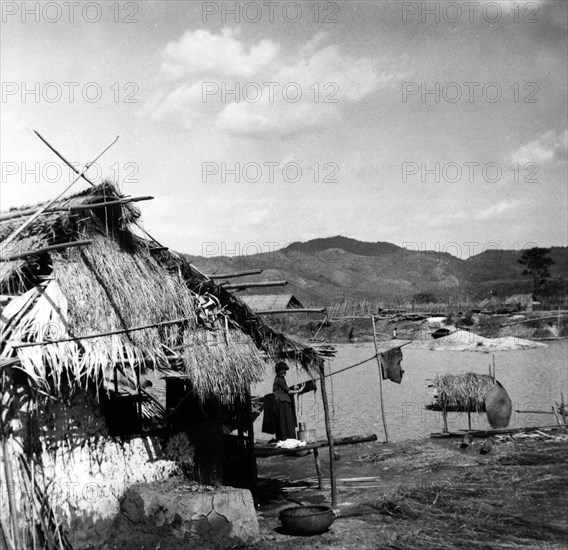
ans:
(365, 360)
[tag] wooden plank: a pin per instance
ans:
(236, 274)
(28, 253)
(500, 431)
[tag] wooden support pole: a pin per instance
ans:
(254, 284)
(237, 274)
(6, 534)
(329, 436)
(379, 363)
(251, 459)
(100, 335)
(139, 391)
(556, 415)
(63, 158)
(291, 310)
(7, 455)
(28, 253)
(318, 469)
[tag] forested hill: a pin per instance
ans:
(329, 269)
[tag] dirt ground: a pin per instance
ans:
(427, 494)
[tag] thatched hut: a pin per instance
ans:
(472, 393)
(95, 307)
(522, 302)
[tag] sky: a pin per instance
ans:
(437, 125)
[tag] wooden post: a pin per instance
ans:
(318, 469)
(556, 415)
(329, 437)
(380, 379)
(7, 454)
(251, 456)
(139, 390)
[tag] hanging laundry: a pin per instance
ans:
(392, 369)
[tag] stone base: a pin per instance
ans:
(176, 515)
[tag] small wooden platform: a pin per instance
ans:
(269, 450)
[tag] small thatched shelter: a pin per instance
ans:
(490, 304)
(95, 307)
(473, 393)
(522, 302)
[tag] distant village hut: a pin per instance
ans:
(491, 304)
(523, 302)
(271, 302)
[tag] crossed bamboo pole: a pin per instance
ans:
(52, 202)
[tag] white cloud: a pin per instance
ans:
(200, 52)
(285, 120)
(549, 146)
(322, 79)
(495, 210)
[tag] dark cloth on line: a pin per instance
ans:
(392, 369)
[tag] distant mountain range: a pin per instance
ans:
(322, 271)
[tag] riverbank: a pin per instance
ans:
(529, 325)
(424, 494)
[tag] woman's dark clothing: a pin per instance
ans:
(284, 410)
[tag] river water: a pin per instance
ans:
(533, 378)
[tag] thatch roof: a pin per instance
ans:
(123, 280)
(490, 303)
(523, 300)
(464, 392)
(268, 302)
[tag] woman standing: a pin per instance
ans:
(284, 410)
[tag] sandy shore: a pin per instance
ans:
(428, 494)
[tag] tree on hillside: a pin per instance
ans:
(537, 264)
